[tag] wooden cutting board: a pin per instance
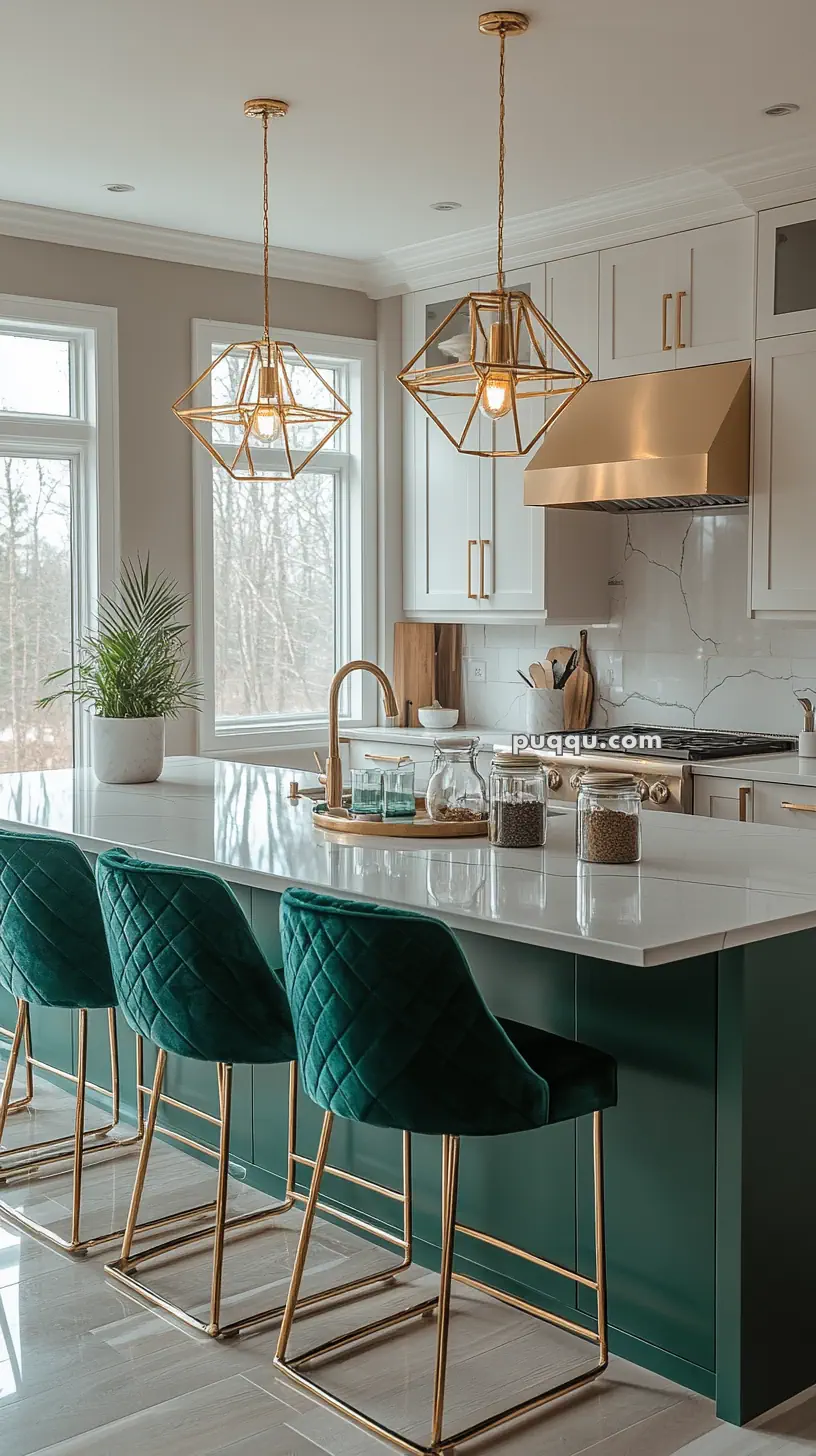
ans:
(427, 665)
(579, 692)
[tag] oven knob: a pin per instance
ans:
(643, 789)
(554, 779)
(575, 779)
(659, 792)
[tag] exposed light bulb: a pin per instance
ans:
(266, 424)
(496, 399)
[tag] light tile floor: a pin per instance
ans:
(83, 1369)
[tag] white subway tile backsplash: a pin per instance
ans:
(680, 649)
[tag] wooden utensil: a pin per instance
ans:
(579, 691)
(561, 655)
(539, 676)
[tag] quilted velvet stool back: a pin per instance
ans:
(391, 1028)
(52, 941)
(189, 973)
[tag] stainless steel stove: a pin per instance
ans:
(663, 773)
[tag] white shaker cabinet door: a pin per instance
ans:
(714, 297)
(511, 534)
(637, 284)
(783, 500)
(441, 490)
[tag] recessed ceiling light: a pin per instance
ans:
(119, 187)
(445, 206)
(782, 108)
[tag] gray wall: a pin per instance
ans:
(156, 302)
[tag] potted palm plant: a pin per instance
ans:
(133, 673)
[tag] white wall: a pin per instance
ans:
(681, 650)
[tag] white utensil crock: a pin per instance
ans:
(127, 750)
(545, 710)
(807, 745)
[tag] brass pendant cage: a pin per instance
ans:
(511, 362)
(264, 394)
(514, 356)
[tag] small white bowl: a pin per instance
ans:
(438, 717)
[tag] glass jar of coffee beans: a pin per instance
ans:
(608, 819)
(518, 802)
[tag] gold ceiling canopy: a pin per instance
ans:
(264, 393)
(511, 361)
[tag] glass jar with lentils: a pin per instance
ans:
(518, 802)
(608, 819)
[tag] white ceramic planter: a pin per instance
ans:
(127, 750)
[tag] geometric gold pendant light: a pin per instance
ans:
(264, 393)
(505, 360)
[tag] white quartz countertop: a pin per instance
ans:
(703, 884)
(766, 768)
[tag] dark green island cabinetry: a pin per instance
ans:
(709, 1165)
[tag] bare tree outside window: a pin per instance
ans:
(274, 596)
(35, 609)
(274, 582)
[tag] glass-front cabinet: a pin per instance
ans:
(786, 295)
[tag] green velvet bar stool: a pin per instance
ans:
(53, 953)
(392, 1031)
(192, 979)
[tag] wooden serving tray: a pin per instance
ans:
(420, 827)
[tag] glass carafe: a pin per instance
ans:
(456, 789)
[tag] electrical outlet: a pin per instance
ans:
(476, 670)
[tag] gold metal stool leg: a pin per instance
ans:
(124, 1270)
(439, 1442)
(51, 1154)
(21, 1103)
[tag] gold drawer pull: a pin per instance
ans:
(799, 808)
(744, 791)
(666, 344)
(678, 320)
(482, 593)
(471, 593)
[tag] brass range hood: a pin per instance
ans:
(663, 441)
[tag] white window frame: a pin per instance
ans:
(89, 438)
(356, 545)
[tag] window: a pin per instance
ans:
(58, 497)
(285, 573)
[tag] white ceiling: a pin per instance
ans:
(393, 106)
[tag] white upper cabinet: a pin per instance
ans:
(441, 518)
(786, 283)
(714, 300)
(636, 323)
(472, 547)
(677, 301)
(784, 499)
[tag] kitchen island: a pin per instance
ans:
(695, 969)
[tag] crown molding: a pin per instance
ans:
(112, 235)
(733, 186)
(737, 185)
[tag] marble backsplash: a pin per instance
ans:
(680, 650)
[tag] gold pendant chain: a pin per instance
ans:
(266, 223)
(500, 251)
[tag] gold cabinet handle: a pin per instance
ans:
(482, 593)
(744, 791)
(666, 344)
(472, 596)
(799, 808)
(678, 319)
